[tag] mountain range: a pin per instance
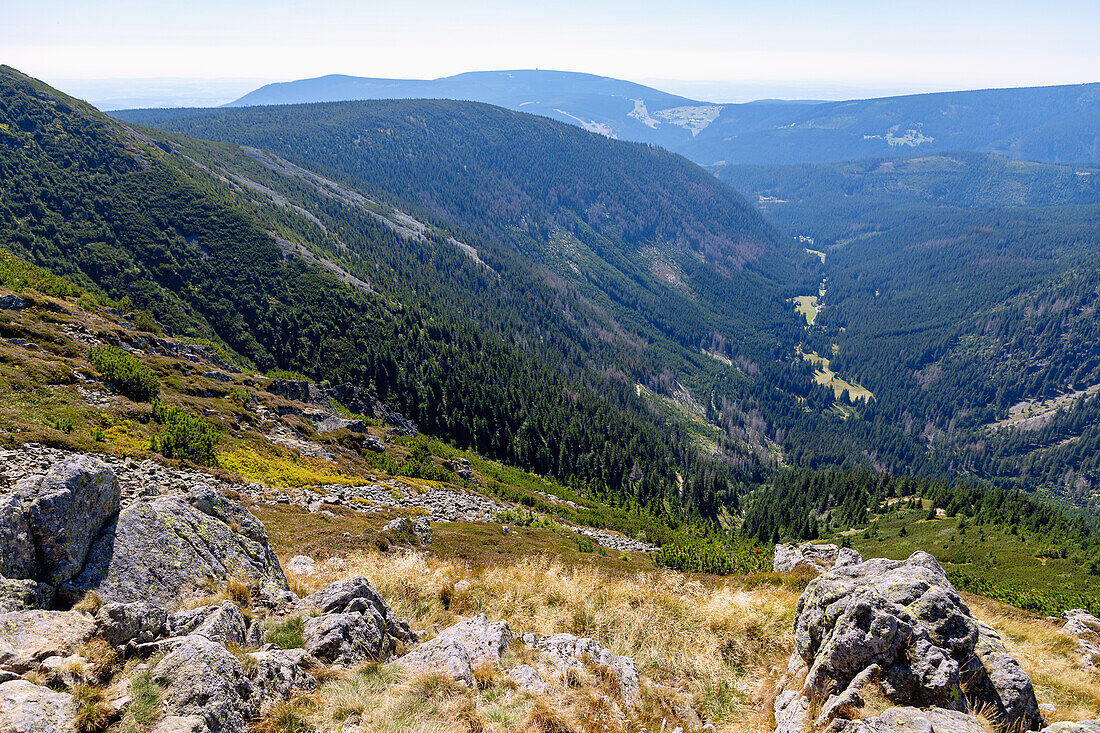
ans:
(1058, 124)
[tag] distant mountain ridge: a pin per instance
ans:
(1056, 124)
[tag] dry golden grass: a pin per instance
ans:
(1047, 655)
(717, 643)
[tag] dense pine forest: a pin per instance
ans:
(962, 290)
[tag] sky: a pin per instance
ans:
(709, 49)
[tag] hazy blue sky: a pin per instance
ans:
(766, 45)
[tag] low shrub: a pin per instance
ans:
(125, 373)
(184, 435)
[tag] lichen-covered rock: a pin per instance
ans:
(570, 650)
(344, 596)
(347, 638)
(357, 595)
(65, 510)
(417, 527)
(28, 637)
(23, 594)
(902, 627)
(817, 558)
(202, 678)
(223, 623)
(30, 708)
(16, 546)
(139, 622)
(462, 648)
(160, 550)
(912, 720)
(283, 673)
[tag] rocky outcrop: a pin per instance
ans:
(23, 594)
(300, 565)
(913, 720)
(63, 511)
(224, 624)
(1083, 726)
(358, 401)
(29, 637)
(166, 548)
(138, 622)
(1085, 629)
(282, 673)
(16, 546)
(902, 628)
(201, 678)
(567, 650)
(347, 638)
(417, 527)
(12, 302)
(355, 624)
(460, 649)
(30, 708)
(817, 558)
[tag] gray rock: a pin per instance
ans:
(570, 650)
(23, 594)
(905, 622)
(847, 556)
(30, 708)
(65, 510)
(12, 302)
(528, 678)
(332, 423)
(357, 595)
(218, 376)
(275, 597)
(182, 724)
(296, 389)
(817, 558)
(166, 548)
(282, 673)
(202, 678)
(1083, 726)
(224, 624)
(912, 720)
(300, 565)
(254, 637)
(462, 648)
(418, 528)
(139, 622)
(16, 546)
(1085, 629)
(373, 444)
(28, 637)
(347, 638)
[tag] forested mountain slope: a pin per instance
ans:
(1055, 124)
(962, 290)
(566, 333)
(634, 225)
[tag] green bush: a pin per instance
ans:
(183, 435)
(125, 373)
(144, 321)
(718, 557)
